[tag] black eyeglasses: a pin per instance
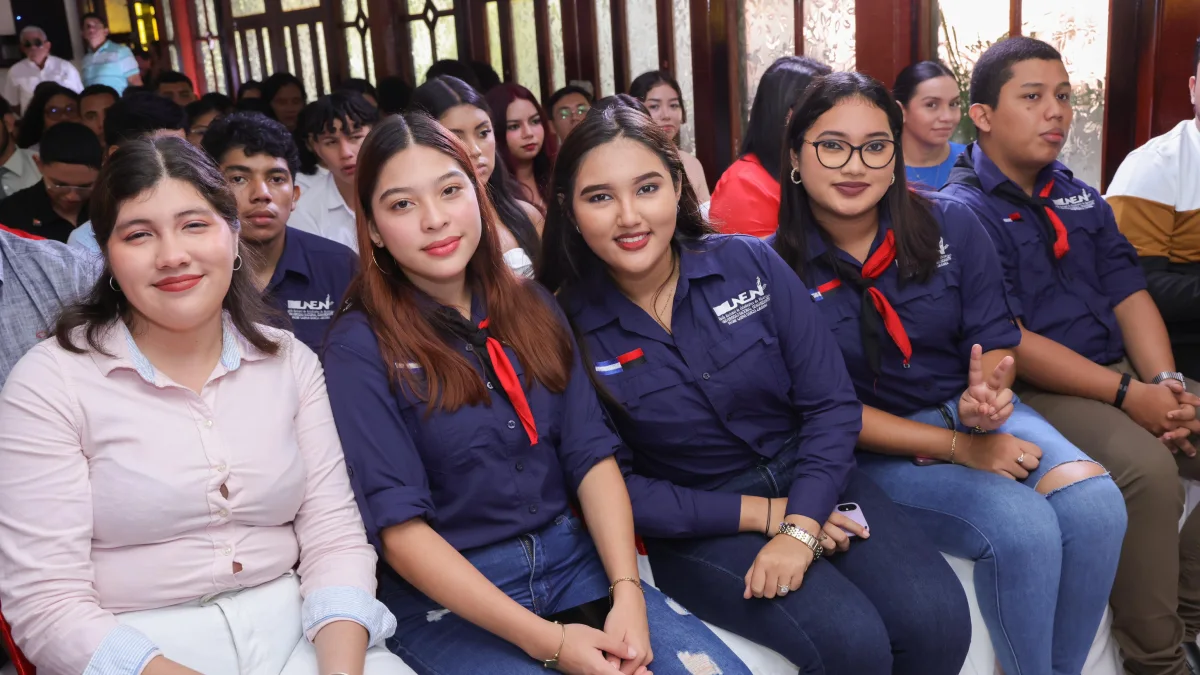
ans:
(32, 44)
(834, 154)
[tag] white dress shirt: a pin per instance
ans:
(18, 173)
(322, 211)
(25, 76)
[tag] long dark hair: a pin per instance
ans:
(778, 90)
(272, 85)
(499, 98)
(136, 167)
(407, 331)
(33, 120)
(912, 219)
(439, 95)
(568, 262)
(642, 84)
(913, 75)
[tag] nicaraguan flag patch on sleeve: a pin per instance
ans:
(622, 363)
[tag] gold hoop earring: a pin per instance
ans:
(237, 262)
(795, 176)
(112, 283)
(377, 263)
(893, 180)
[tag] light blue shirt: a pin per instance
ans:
(934, 177)
(112, 64)
(84, 237)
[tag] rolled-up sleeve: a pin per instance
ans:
(48, 591)
(1120, 271)
(387, 473)
(337, 565)
(821, 394)
(987, 316)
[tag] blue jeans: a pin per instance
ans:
(1044, 564)
(548, 571)
(889, 605)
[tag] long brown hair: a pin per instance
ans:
(138, 166)
(519, 313)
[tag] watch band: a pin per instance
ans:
(804, 537)
(1122, 390)
(1168, 375)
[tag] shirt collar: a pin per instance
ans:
(333, 197)
(991, 177)
(294, 259)
(119, 342)
(817, 246)
(20, 162)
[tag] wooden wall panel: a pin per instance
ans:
(885, 39)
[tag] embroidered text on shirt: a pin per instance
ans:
(743, 305)
(946, 257)
(321, 310)
(1080, 202)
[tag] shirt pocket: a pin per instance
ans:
(750, 365)
(1034, 269)
(653, 399)
(931, 312)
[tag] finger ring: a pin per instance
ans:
(1021, 459)
(824, 536)
(783, 589)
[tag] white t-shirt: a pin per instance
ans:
(322, 211)
(25, 76)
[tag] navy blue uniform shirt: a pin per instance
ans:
(961, 305)
(309, 282)
(751, 365)
(1071, 299)
(472, 474)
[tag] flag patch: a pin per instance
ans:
(618, 365)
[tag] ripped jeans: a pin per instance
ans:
(1044, 564)
(547, 571)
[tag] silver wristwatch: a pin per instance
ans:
(804, 537)
(1167, 375)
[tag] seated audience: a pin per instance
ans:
(51, 104)
(107, 62)
(334, 127)
(663, 98)
(466, 114)
(529, 145)
(201, 115)
(1094, 357)
(69, 162)
(568, 106)
(361, 87)
(37, 279)
(488, 568)
(740, 420)
(134, 116)
(302, 276)
(284, 96)
(928, 94)
(19, 169)
(1156, 201)
(746, 198)
(94, 103)
(454, 68)
(929, 344)
(175, 86)
(38, 66)
(169, 348)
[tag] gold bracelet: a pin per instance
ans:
(631, 580)
(553, 663)
(767, 529)
(953, 442)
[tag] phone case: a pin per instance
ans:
(852, 511)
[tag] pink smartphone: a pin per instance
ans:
(926, 461)
(853, 512)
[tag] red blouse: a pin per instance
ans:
(746, 200)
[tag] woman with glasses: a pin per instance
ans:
(914, 293)
(52, 103)
(664, 101)
(568, 106)
(740, 421)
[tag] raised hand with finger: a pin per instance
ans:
(986, 403)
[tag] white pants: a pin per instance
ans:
(255, 631)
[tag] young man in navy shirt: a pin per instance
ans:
(1094, 357)
(303, 276)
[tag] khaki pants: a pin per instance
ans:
(1156, 596)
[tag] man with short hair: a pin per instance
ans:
(38, 66)
(134, 116)
(334, 127)
(1156, 198)
(69, 159)
(567, 108)
(175, 86)
(94, 102)
(302, 275)
(107, 62)
(18, 170)
(1094, 357)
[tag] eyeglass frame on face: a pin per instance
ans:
(850, 155)
(34, 43)
(56, 113)
(580, 111)
(58, 188)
